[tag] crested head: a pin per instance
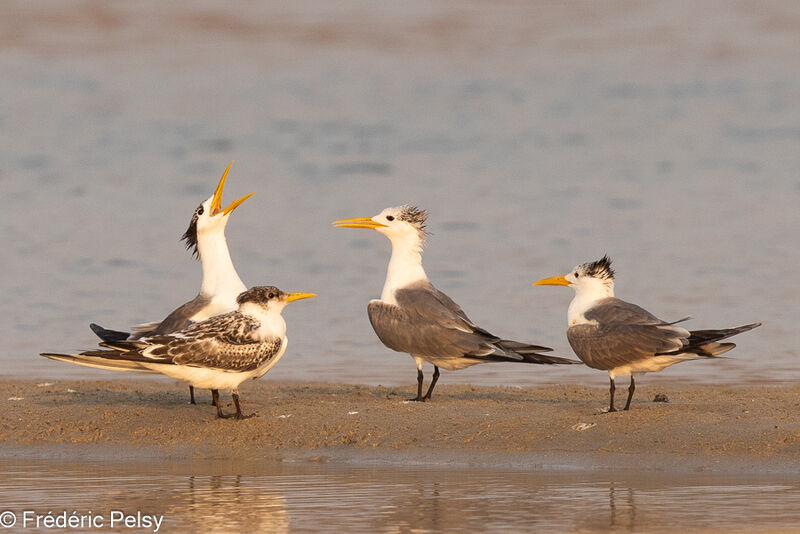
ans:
(190, 236)
(413, 215)
(400, 224)
(600, 269)
(403, 223)
(210, 217)
(593, 279)
(404, 226)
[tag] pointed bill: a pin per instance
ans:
(358, 222)
(554, 281)
(298, 296)
(216, 202)
(235, 204)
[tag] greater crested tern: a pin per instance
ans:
(610, 334)
(220, 285)
(413, 316)
(218, 353)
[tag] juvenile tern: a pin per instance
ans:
(413, 316)
(220, 284)
(610, 334)
(218, 353)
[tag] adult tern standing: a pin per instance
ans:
(610, 334)
(413, 316)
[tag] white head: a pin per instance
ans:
(593, 278)
(210, 217)
(405, 228)
(401, 224)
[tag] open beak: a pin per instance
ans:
(554, 281)
(216, 202)
(298, 296)
(358, 222)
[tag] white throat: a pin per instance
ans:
(587, 293)
(272, 323)
(405, 266)
(220, 280)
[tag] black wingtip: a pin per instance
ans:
(546, 359)
(108, 335)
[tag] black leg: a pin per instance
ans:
(239, 414)
(631, 389)
(420, 378)
(191, 395)
(611, 390)
(215, 396)
(433, 383)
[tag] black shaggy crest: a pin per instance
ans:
(259, 294)
(413, 215)
(190, 236)
(600, 268)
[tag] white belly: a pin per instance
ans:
(650, 365)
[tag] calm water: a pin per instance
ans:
(537, 140)
(215, 497)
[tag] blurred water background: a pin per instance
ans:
(538, 135)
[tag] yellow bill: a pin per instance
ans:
(216, 202)
(554, 281)
(358, 222)
(298, 296)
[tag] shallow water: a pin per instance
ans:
(537, 140)
(247, 497)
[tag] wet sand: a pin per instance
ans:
(732, 429)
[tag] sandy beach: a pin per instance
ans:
(714, 428)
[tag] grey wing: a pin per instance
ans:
(622, 333)
(612, 310)
(225, 342)
(178, 319)
(446, 301)
(423, 324)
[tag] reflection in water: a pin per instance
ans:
(229, 504)
(627, 513)
(221, 496)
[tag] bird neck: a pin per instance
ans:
(586, 296)
(220, 279)
(405, 267)
(272, 323)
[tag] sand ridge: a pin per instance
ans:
(751, 425)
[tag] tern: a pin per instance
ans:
(413, 316)
(610, 334)
(220, 284)
(218, 353)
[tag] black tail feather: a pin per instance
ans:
(108, 335)
(526, 358)
(521, 348)
(701, 337)
(705, 342)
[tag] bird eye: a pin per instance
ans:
(200, 210)
(390, 217)
(577, 274)
(272, 295)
